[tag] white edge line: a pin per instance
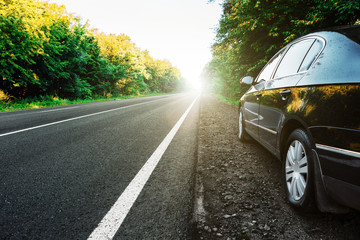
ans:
(54, 110)
(76, 118)
(112, 221)
(37, 110)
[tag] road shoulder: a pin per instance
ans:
(238, 193)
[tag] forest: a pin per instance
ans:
(47, 52)
(250, 32)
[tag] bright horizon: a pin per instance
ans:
(180, 31)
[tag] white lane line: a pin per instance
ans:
(76, 118)
(37, 111)
(112, 221)
(54, 110)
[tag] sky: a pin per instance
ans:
(181, 31)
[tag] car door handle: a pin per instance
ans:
(259, 94)
(285, 93)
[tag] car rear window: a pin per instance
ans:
(293, 58)
(311, 55)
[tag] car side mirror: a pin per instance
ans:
(248, 80)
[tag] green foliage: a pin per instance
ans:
(49, 101)
(17, 51)
(139, 72)
(47, 52)
(251, 31)
(163, 77)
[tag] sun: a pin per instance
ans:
(195, 85)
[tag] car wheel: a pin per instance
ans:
(298, 171)
(242, 134)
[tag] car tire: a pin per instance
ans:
(298, 171)
(242, 134)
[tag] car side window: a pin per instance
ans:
(293, 58)
(311, 55)
(269, 68)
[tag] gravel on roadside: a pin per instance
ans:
(238, 189)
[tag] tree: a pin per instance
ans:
(46, 51)
(120, 51)
(64, 63)
(18, 48)
(251, 31)
(163, 77)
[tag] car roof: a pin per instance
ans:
(350, 31)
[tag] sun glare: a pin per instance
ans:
(195, 85)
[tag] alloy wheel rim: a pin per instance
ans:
(296, 170)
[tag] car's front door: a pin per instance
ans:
(252, 98)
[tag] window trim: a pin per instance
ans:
(306, 56)
(284, 50)
(287, 49)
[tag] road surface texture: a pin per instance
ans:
(59, 180)
(239, 195)
(64, 168)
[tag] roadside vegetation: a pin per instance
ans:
(47, 101)
(250, 32)
(48, 54)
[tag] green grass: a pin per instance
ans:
(47, 101)
(226, 100)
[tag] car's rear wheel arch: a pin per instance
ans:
(288, 127)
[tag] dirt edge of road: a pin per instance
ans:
(238, 194)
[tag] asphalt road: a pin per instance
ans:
(58, 181)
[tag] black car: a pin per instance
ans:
(304, 107)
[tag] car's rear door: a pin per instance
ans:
(279, 92)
